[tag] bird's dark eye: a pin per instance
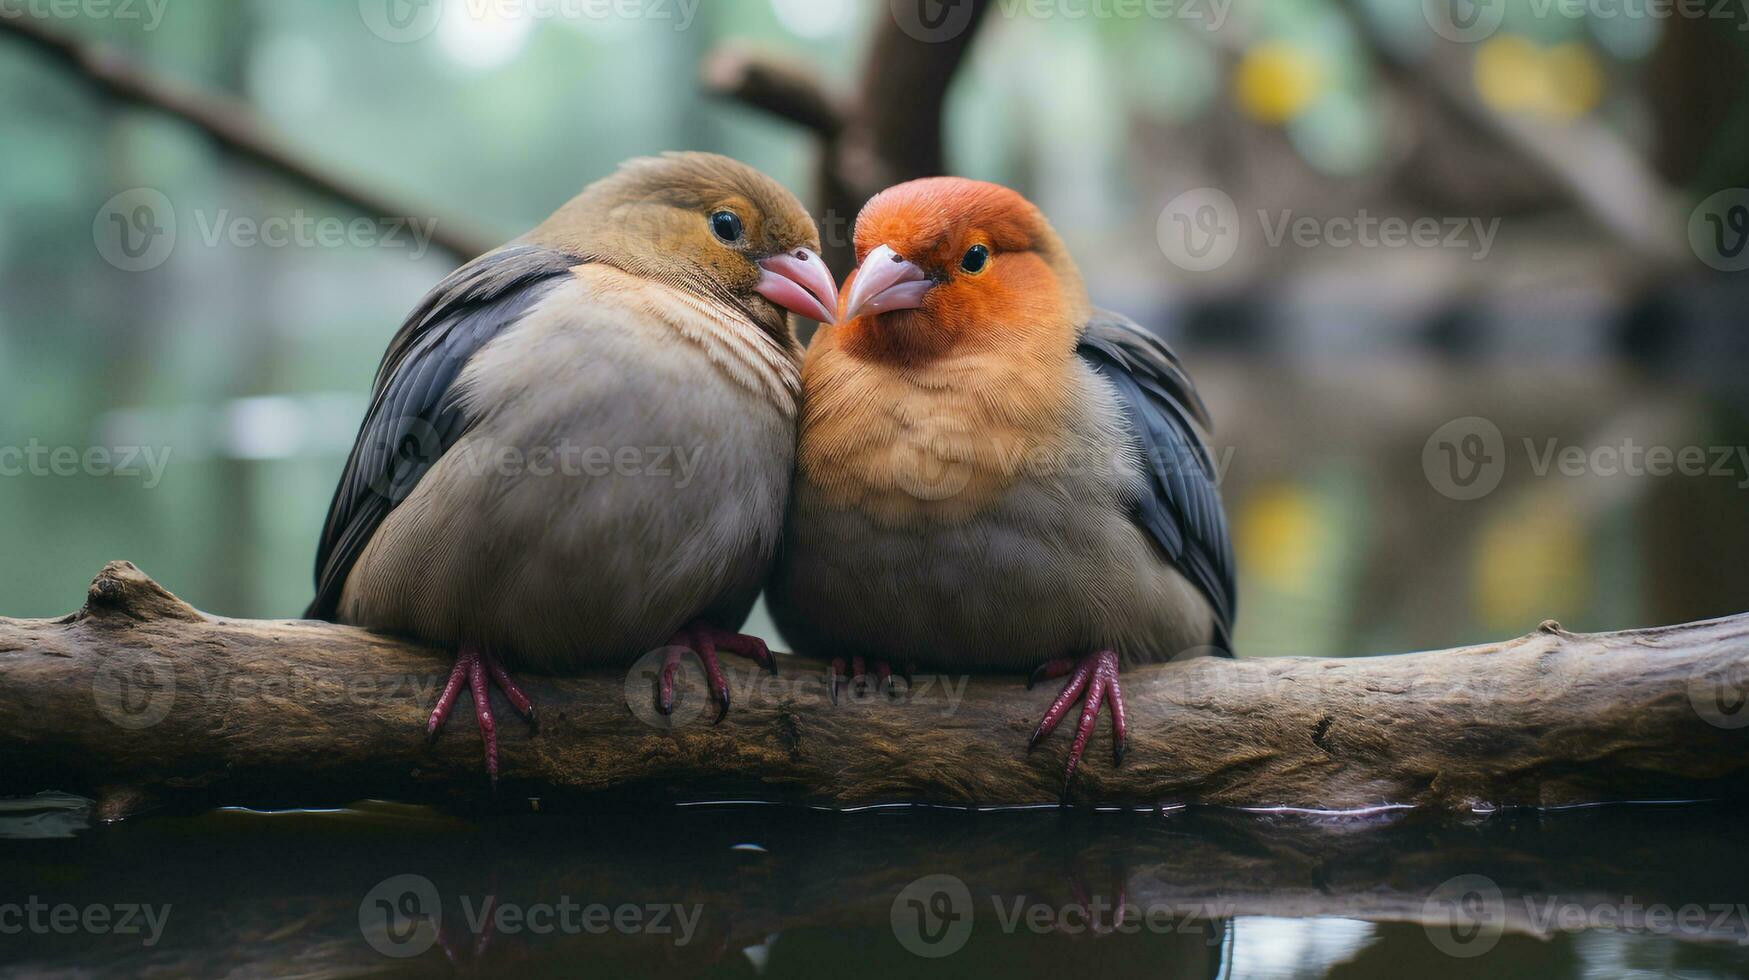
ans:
(727, 226)
(976, 258)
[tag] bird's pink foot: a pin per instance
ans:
(705, 641)
(1092, 681)
(846, 676)
(472, 668)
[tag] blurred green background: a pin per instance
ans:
(1594, 317)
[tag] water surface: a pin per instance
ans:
(743, 891)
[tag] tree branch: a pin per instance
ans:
(139, 699)
(782, 88)
(231, 125)
(1599, 173)
(889, 132)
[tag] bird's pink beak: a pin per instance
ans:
(799, 282)
(886, 282)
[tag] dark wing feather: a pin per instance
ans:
(1180, 507)
(414, 417)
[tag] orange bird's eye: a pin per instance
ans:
(977, 258)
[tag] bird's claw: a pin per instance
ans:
(1048, 670)
(1093, 682)
(856, 674)
(704, 641)
(473, 668)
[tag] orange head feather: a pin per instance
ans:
(981, 268)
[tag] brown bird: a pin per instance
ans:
(993, 474)
(579, 446)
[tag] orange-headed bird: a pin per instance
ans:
(992, 473)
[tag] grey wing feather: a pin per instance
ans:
(414, 416)
(1180, 506)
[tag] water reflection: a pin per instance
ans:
(747, 891)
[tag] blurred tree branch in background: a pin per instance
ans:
(1593, 168)
(232, 126)
(889, 132)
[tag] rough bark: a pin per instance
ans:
(140, 700)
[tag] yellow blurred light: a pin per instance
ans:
(1277, 81)
(1515, 74)
(1530, 565)
(1575, 80)
(1278, 537)
(1509, 74)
